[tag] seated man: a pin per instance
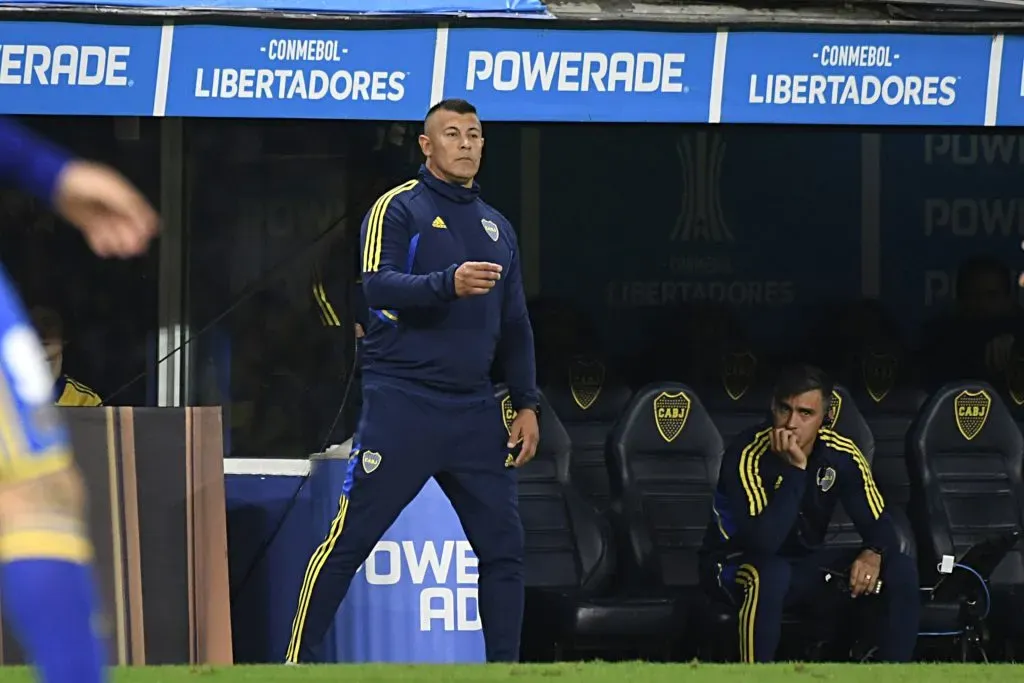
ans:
(777, 489)
(67, 391)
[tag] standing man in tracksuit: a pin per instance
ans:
(442, 279)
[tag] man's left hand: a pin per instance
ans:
(865, 573)
(526, 430)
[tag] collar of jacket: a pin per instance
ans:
(455, 193)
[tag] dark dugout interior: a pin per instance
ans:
(694, 253)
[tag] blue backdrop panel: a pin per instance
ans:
(550, 75)
(945, 198)
(263, 607)
(280, 73)
(856, 79)
(1011, 83)
(415, 598)
(48, 68)
(719, 215)
(332, 6)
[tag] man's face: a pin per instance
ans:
(53, 347)
(453, 144)
(803, 414)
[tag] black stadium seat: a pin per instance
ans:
(965, 455)
(964, 458)
(731, 416)
(588, 402)
(739, 398)
(889, 402)
(846, 418)
(889, 419)
(571, 561)
(667, 453)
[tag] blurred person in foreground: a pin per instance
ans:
(46, 575)
(778, 487)
(442, 279)
(68, 391)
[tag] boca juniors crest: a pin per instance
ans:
(738, 371)
(586, 378)
(371, 461)
(835, 406)
(670, 414)
(970, 409)
(879, 371)
(491, 228)
(508, 413)
(826, 478)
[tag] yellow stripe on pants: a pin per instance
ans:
(748, 577)
(316, 563)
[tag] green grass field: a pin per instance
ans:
(582, 673)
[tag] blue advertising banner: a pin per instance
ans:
(506, 7)
(516, 75)
(856, 79)
(51, 68)
(513, 74)
(280, 73)
(1011, 83)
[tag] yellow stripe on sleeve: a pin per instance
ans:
(750, 475)
(329, 316)
(844, 445)
(375, 227)
(718, 520)
(87, 397)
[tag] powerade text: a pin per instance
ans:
(444, 606)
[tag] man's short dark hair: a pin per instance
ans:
(455, 104)
(800, 378)
(47, 322)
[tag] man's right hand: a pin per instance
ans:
(474, 278)
(784, 444)
(112, 214)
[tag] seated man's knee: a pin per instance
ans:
(768, 573)
(899, 572)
